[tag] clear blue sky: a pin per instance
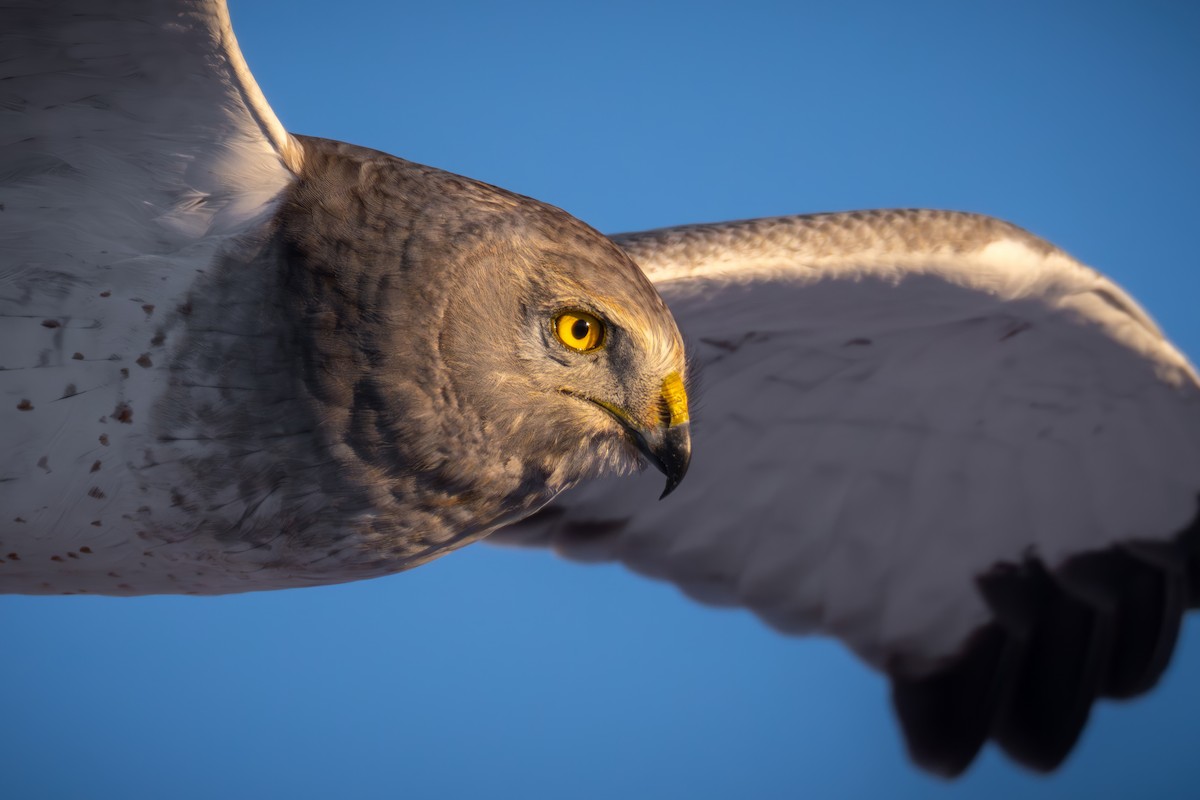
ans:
(497, 673)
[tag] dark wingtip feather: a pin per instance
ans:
(1102, 624)
(1146, 598)
(946, 717)
(1066, 643)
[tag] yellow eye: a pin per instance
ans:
(579, 330)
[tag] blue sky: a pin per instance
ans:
(503, 673)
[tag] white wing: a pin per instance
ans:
(134, 147)
(936, 437)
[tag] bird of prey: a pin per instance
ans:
(233, 359)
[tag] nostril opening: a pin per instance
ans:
(664, 412)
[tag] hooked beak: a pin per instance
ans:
(669, 449)
(667, 445)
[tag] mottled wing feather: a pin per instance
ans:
(931, 435)
(134, 147)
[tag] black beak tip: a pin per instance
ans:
(673, 482)
(673, 456)
(668, 449)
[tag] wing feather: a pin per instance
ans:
(916, 425)
(135, 148)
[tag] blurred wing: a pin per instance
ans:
(936, 437)
(134, 147)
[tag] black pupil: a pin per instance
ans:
(580, 328)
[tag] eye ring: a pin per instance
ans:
(579, 330)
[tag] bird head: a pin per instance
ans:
(565, 349)
(473, 350)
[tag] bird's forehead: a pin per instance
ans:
(568, 261)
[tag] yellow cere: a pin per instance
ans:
(676, 399)
(579, 331)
